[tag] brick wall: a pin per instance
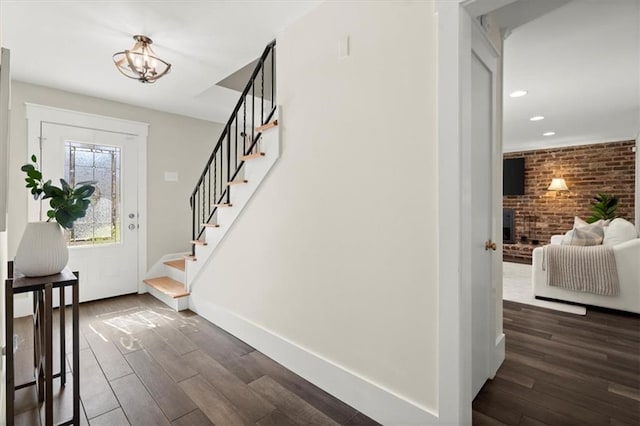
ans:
(588, 170)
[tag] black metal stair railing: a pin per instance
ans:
(239, 138)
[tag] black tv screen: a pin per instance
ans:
(513, 176)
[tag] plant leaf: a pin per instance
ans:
(65, 185)
(34, 174)
(84, 191)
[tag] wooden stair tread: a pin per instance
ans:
(168, 286)
(266, 126)
(223, 205)
(252, 156)
(237, 182)
(177, 263)
(199, 242)
(210, 225)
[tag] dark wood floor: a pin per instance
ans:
(143, 364)
(564, 369)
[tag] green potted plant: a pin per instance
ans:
(603, 207)
(43, 249)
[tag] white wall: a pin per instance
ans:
(337, 251)
(175, 143)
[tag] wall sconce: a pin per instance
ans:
(558, 185)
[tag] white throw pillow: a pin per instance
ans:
(619, 231)
(588, 235)
(566, 240)
(579, 223)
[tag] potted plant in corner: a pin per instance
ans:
(603, 207)
(43, 250)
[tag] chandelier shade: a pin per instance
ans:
(140, 62)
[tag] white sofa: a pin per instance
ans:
(627, 255)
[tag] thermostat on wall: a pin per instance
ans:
(170, 176)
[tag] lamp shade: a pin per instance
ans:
(558, 184)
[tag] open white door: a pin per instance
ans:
(484, 255)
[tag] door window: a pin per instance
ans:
(88, 162)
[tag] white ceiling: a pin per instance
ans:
(68, 45)
(581, 66)
(579, 61)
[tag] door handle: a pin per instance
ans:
(490, 245)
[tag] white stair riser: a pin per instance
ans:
(175, 274)
(179, 304)
(159, 268)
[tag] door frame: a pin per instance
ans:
(454, 294)
(36, 114)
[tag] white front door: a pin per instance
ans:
(103, 246)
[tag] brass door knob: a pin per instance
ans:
(490, 245)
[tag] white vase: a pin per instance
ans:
(42, 250)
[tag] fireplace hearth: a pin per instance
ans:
(508, 229)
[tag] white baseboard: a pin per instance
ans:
(373, 400)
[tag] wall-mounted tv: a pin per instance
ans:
(513, 176)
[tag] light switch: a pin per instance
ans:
(170, 176)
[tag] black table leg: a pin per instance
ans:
(76, 350)
(48, 358)
(63, 332)
(10, 378)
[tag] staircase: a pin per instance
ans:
(243, 155)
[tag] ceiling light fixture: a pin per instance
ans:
(548, 133)
(537, 118)
(518, 93)
(140, 62)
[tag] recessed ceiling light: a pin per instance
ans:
(549, 134)
(518, 93)
(537, 118)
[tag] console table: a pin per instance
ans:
(42, 289)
